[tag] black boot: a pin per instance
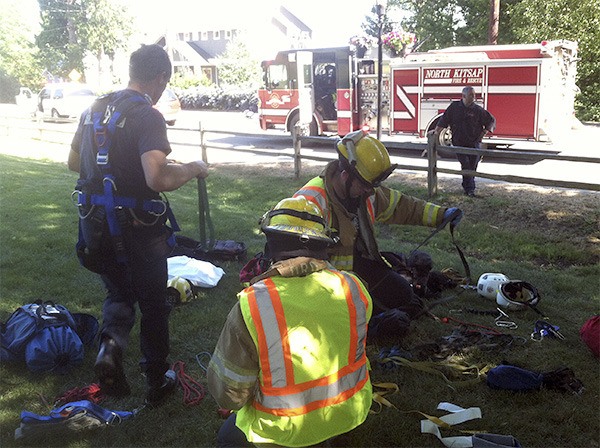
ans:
(160, 388)
(109, 369)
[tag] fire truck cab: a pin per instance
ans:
(318, 79)
(530, 89)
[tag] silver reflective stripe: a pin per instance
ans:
(272, 336)
(389, 211)
(218, 366)
(313, 394)
(361, 315)
(430, 214)
(342, 262)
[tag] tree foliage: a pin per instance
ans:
(444, 23)
(577, 20)
(18, 52)
(236, 67)
(72, 29)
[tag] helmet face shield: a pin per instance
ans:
(365, 157)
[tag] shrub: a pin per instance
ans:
(217, 98)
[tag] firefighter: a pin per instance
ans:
(283, 360)
(350, 196)
(469, 123)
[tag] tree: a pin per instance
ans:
(17, 53)
(455, 22)
(59, 49)
(433, 21)
(72, 29)
(105, 30)
(577, 20)
(236, 67)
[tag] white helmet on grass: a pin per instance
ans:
(488, 284)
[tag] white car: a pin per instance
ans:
(64, 100)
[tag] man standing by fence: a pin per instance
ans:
(469, 123)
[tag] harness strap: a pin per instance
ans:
(446, 221)
(105, 125)
(204, 219)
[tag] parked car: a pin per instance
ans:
(169, 106)
(26, 101)
(64, 100)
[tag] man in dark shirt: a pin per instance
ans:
(120, 151)
(469, 123)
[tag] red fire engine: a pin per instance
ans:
(529, 88)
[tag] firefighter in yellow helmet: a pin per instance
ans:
(284, 362)
(350, 196)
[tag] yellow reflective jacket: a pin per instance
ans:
(312, 380)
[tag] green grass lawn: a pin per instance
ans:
(536, 238)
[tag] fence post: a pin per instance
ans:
(432, 141)
(299, 130)
(202, 143)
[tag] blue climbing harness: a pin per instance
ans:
(105, 124)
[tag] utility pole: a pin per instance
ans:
(380, 6)
(494, 20)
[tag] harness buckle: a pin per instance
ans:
(76, 202)
(102, 159)
(164, 207)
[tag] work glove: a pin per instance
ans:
(458, 214)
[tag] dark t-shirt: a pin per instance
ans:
(466, 123)
(143, 130)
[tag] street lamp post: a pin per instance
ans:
(380, 10)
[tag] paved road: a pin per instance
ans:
(583, 140)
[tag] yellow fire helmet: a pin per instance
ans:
(297, 217)
(179, 290)
(365, 157)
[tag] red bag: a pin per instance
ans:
(590, 334)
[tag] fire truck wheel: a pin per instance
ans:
(312, 130)
(445, 137)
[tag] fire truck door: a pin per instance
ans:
(304, 63)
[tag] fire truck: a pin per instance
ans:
(529, 88)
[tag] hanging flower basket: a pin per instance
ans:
(398, 43)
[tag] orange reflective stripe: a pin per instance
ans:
(283, 332)
(371, 207)
(262, 340)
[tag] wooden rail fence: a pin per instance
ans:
(41, 131)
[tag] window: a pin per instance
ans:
(277, 77)
(217, 35)
(204, 35)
